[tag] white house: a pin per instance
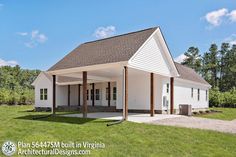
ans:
(133, 71)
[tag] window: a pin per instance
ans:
(91, 94)
(192, 92)
(167, 87)
(198, 94)
(206, 95)
(87, 94)
(97, 94)
(106, 93)
(43, 94)
(114, 93)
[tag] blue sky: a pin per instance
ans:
(36, 34)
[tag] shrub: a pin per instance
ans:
(224, 99)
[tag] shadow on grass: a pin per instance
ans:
(60, 119)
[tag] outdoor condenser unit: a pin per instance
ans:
(185, 109)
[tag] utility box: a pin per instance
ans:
(185, 109)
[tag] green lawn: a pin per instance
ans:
(126, 139)
(227, 114)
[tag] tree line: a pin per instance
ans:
(218, 67)
(15, 85)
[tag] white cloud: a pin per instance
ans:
(9, 63)
(231, 39)
(35, 38)
(232, 16)
(41, 38)
(22, 33)
(215, 17)
(104, 32)
(34, 33)
(180, 58)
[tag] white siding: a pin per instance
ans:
(73, 95)
(61, 95)
(182, 95)
(151, 58)
(138, 96)
(43, 82)
(139, 90)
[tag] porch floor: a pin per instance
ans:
(133, 117)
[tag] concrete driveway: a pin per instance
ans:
(200, 123)
(133, 117)
(169, 120)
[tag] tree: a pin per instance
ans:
(15, 85)
(193, 59)
(211, 63)
(229, 77)
(222, 64)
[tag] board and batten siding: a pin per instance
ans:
(151, 58)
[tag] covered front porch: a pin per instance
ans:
(114, 85)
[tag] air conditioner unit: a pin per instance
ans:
(185, 109)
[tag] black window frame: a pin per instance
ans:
(191, 92)
(114, 93)
(97, 94)
(45, 94)
(198, 94)
(41, 94)
(167, 88)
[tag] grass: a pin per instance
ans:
(126, 139)
(226, 114)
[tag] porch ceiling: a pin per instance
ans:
(105, 74)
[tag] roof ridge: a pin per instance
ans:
(121, 35)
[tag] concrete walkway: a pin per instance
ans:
(133, 117)
(200, 123)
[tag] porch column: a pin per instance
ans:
(93, 94)
(126, 92)
(68, 95)
(109, 94)
(152, 95)
(171, 95)
(79, 85)
(54, 94)
(85, 94)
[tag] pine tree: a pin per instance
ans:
(193, 59)
(222, 64)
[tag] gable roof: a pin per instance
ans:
(187, 73)
(109, 50)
